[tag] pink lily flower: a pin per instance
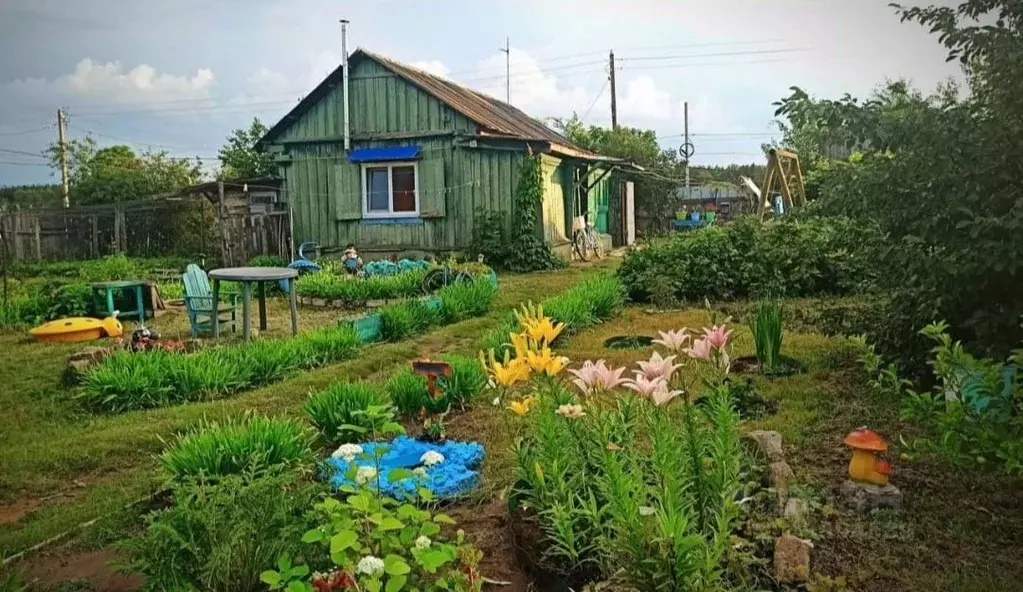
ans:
(717, 336)
(673, 341)
(591, 378)
(658, 367)
(646, 387)
(662, 395)
(700, 350)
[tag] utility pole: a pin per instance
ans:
(614, 94)
(507, 68)
(688, 146)
(62, 145)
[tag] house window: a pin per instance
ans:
(390, 190)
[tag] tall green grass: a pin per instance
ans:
(127, 381)
(583, 305)
(453, 303)
(336, 412)
(767, 332)
(407, 391)
(355, 290)
(252, 446)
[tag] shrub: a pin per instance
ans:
(406, 319)
(330, 344)
(338, 412)
(411, 550)
(408, 392)
(467, 380)
(251, 447)
(220, 537)
(268, 261)
(971, 416)
(767, 334)
(785, 256)
(110, 268)
(466, 300)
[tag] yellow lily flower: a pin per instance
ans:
(545, 361)
(521, 408)
(521, 344)
(508, 372)
(544, 330)
(529, 314)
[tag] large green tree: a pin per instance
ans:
(239, 157)
(940, 174)
(116, 173)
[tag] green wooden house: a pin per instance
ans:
(423, 153)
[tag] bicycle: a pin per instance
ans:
(438, 278)
(585, 239)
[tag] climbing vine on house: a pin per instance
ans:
(524, 250)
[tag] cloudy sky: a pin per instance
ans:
(180, 75)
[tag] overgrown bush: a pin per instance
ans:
(973, 415)
(783, 257)
(524, 249)
(268, 261)
(407, 391)
(252, 447)
(126, 381)
(338, 412)
(220, 537)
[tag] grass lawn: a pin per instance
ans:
(959, 530)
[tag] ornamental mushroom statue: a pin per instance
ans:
(865, 465)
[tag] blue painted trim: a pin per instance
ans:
(392, 221)
(384, 154)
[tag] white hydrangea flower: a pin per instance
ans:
(370, 565)
(348, 452)
(365, 474)
(431, 457)
(421, 471)
(423, 542)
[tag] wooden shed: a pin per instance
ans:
(425, 153)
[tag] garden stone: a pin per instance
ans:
(375, 303)
(79, 363)
(795, 513)
(791, 559)
(339, 303)
(864, 497)
(769, 444)
(320, 302)
(193, 345)
(781, 475)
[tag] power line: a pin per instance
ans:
(28, 131)
(595, 99)
(716, 55)
(9, 162)
(35, 154)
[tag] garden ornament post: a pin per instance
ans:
(431, 370)
(432, 413)
(865, 465)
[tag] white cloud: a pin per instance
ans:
(532, 90)
(435, 67)
(643, 99)
(113, 82)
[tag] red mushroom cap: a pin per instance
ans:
(864, 439)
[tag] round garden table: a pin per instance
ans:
(246, 276)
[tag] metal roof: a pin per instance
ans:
(494, 117)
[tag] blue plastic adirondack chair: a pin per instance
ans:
(199, 302)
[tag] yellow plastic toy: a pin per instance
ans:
(78, 329)
(865, 465)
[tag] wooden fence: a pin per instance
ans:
(146, 228)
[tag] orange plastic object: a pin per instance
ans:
(77, 329)
(865, 466)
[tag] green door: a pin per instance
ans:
(599, 204)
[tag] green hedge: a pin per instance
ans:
(750, 258)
